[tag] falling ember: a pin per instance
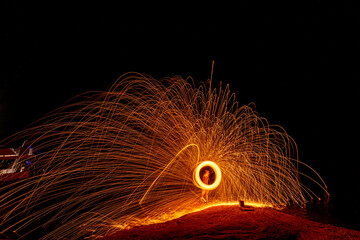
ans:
(134, 154)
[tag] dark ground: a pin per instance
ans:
(299, 63)
(229, 222)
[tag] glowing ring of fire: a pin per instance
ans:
(197, 180)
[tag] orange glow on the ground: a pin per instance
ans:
(171, 216)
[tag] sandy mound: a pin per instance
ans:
(229, 222)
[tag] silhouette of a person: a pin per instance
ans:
(205, 192)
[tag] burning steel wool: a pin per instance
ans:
(136, 154)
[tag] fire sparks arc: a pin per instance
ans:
(133, 155)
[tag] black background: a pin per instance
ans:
(297, 62)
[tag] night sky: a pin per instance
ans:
(298, 63)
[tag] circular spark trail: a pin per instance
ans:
(197, 180)
(129, 154)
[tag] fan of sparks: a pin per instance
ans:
(128, 155)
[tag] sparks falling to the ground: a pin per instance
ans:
(115, 158)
